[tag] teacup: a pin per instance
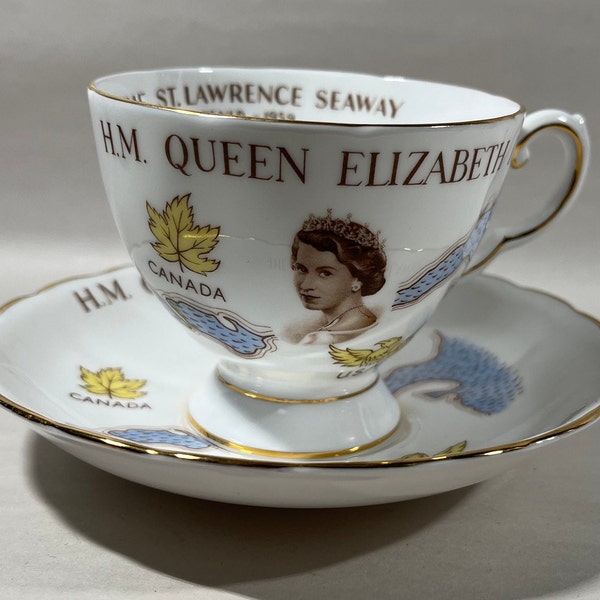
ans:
(305, 225)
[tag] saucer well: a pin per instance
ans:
(98, 367)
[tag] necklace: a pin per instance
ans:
(336, 319)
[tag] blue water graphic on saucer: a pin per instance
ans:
(478, 380)
(173, 437)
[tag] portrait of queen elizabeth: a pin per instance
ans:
(336, 263)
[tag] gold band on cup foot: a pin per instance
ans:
(257, 396)
(289, 455)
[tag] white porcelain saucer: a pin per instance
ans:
(98, 367)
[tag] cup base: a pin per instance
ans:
(294, 429)
(289, 385)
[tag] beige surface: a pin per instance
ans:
(71, 531)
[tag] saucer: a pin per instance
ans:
(97, 366)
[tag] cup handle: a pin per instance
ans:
(575, 140)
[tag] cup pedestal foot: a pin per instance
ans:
(294, 429)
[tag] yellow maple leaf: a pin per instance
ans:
(178, 239)
(112, 383)
(454, 449)
(367, 357)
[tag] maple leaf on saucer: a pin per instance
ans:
(454, 449)
(112, 383)
(179, 239)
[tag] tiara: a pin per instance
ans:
(345, 228)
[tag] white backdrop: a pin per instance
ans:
(72, 531)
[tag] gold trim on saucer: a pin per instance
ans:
(57, 429)
(58, 282)
(257, 396)
(288, 455)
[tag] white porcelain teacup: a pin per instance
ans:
(305, 225)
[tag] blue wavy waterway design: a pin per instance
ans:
(480, 381)
(173, 437)
(442, 269)
(224, 329)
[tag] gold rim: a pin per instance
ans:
(256, 396)
(289, 455)
(115, 443)
(58, 282)
(574, 177)
(568, 194)
(93, 87)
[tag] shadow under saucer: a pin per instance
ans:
(512, 537)
(217, 544)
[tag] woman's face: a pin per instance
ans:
(321, 280)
